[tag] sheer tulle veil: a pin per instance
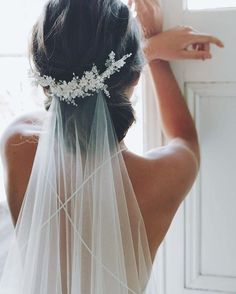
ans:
(80, 229)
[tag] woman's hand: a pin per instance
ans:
(180, 43)
(150, 16)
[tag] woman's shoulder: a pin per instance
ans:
(168, 170)
(18, 148)
(22, 133)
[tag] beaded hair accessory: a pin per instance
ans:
(91, 82)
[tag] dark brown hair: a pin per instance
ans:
(71, 35)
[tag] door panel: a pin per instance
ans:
(198, 255)
(210, 208)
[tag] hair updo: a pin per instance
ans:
(71, 35)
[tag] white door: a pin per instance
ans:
(198, 254)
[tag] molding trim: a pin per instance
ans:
(194, 279)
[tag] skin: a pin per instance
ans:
(162, 177)
(150, 176)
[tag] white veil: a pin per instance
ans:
(80, 229)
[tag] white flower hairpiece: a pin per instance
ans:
(91, 81)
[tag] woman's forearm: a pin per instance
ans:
(175, 115)
(179, 43)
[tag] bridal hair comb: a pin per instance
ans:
(91, 82)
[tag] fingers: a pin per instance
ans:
(196, 55)
(206, 47)
(206, 39)
(200, 38)
(201, 47)
(195, 46)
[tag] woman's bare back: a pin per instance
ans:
(161, 179)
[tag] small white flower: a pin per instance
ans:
(91, 81)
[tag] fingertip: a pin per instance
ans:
(220, 44)
(216, 41)
(206, 56)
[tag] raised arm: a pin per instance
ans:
(174, 167)
(161, 47)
